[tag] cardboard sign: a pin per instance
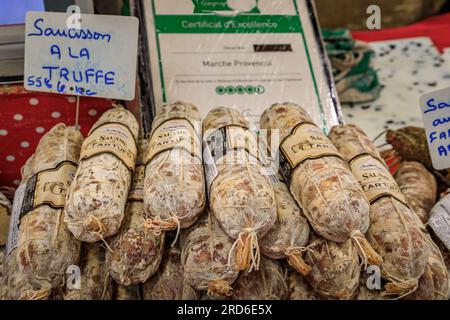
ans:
(435, 108)
(94, 57)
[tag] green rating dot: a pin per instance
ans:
(260, 89)
(220, 90)
(230, 90)
(250, 89)
(240, 90)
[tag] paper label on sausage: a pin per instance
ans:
(211, 171)
(137, 185)
(233, 137)
(305, 142)
(48, 187)
(440, 220)
(13, 233)
(174, 134)
(114, 138)
(375, 179)
(219, 142)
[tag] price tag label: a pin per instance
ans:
(81, 54)
(435, 108)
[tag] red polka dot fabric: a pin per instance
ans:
(25, 116)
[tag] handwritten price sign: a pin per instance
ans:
(436, 117)
(92, 55)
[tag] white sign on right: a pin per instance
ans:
(435, 107)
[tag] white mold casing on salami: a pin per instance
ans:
(94, 282)
(169, 283)
(419, 187)
(290, 233)
(267, 283)
(205, 257)
(98, 195)
(135, 252)
(319, 178)
(174, 186)
(240, 195)
(15, 283)
(335, 268)
(395, 232)
(46, 247)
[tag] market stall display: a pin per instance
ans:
(206, 258)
